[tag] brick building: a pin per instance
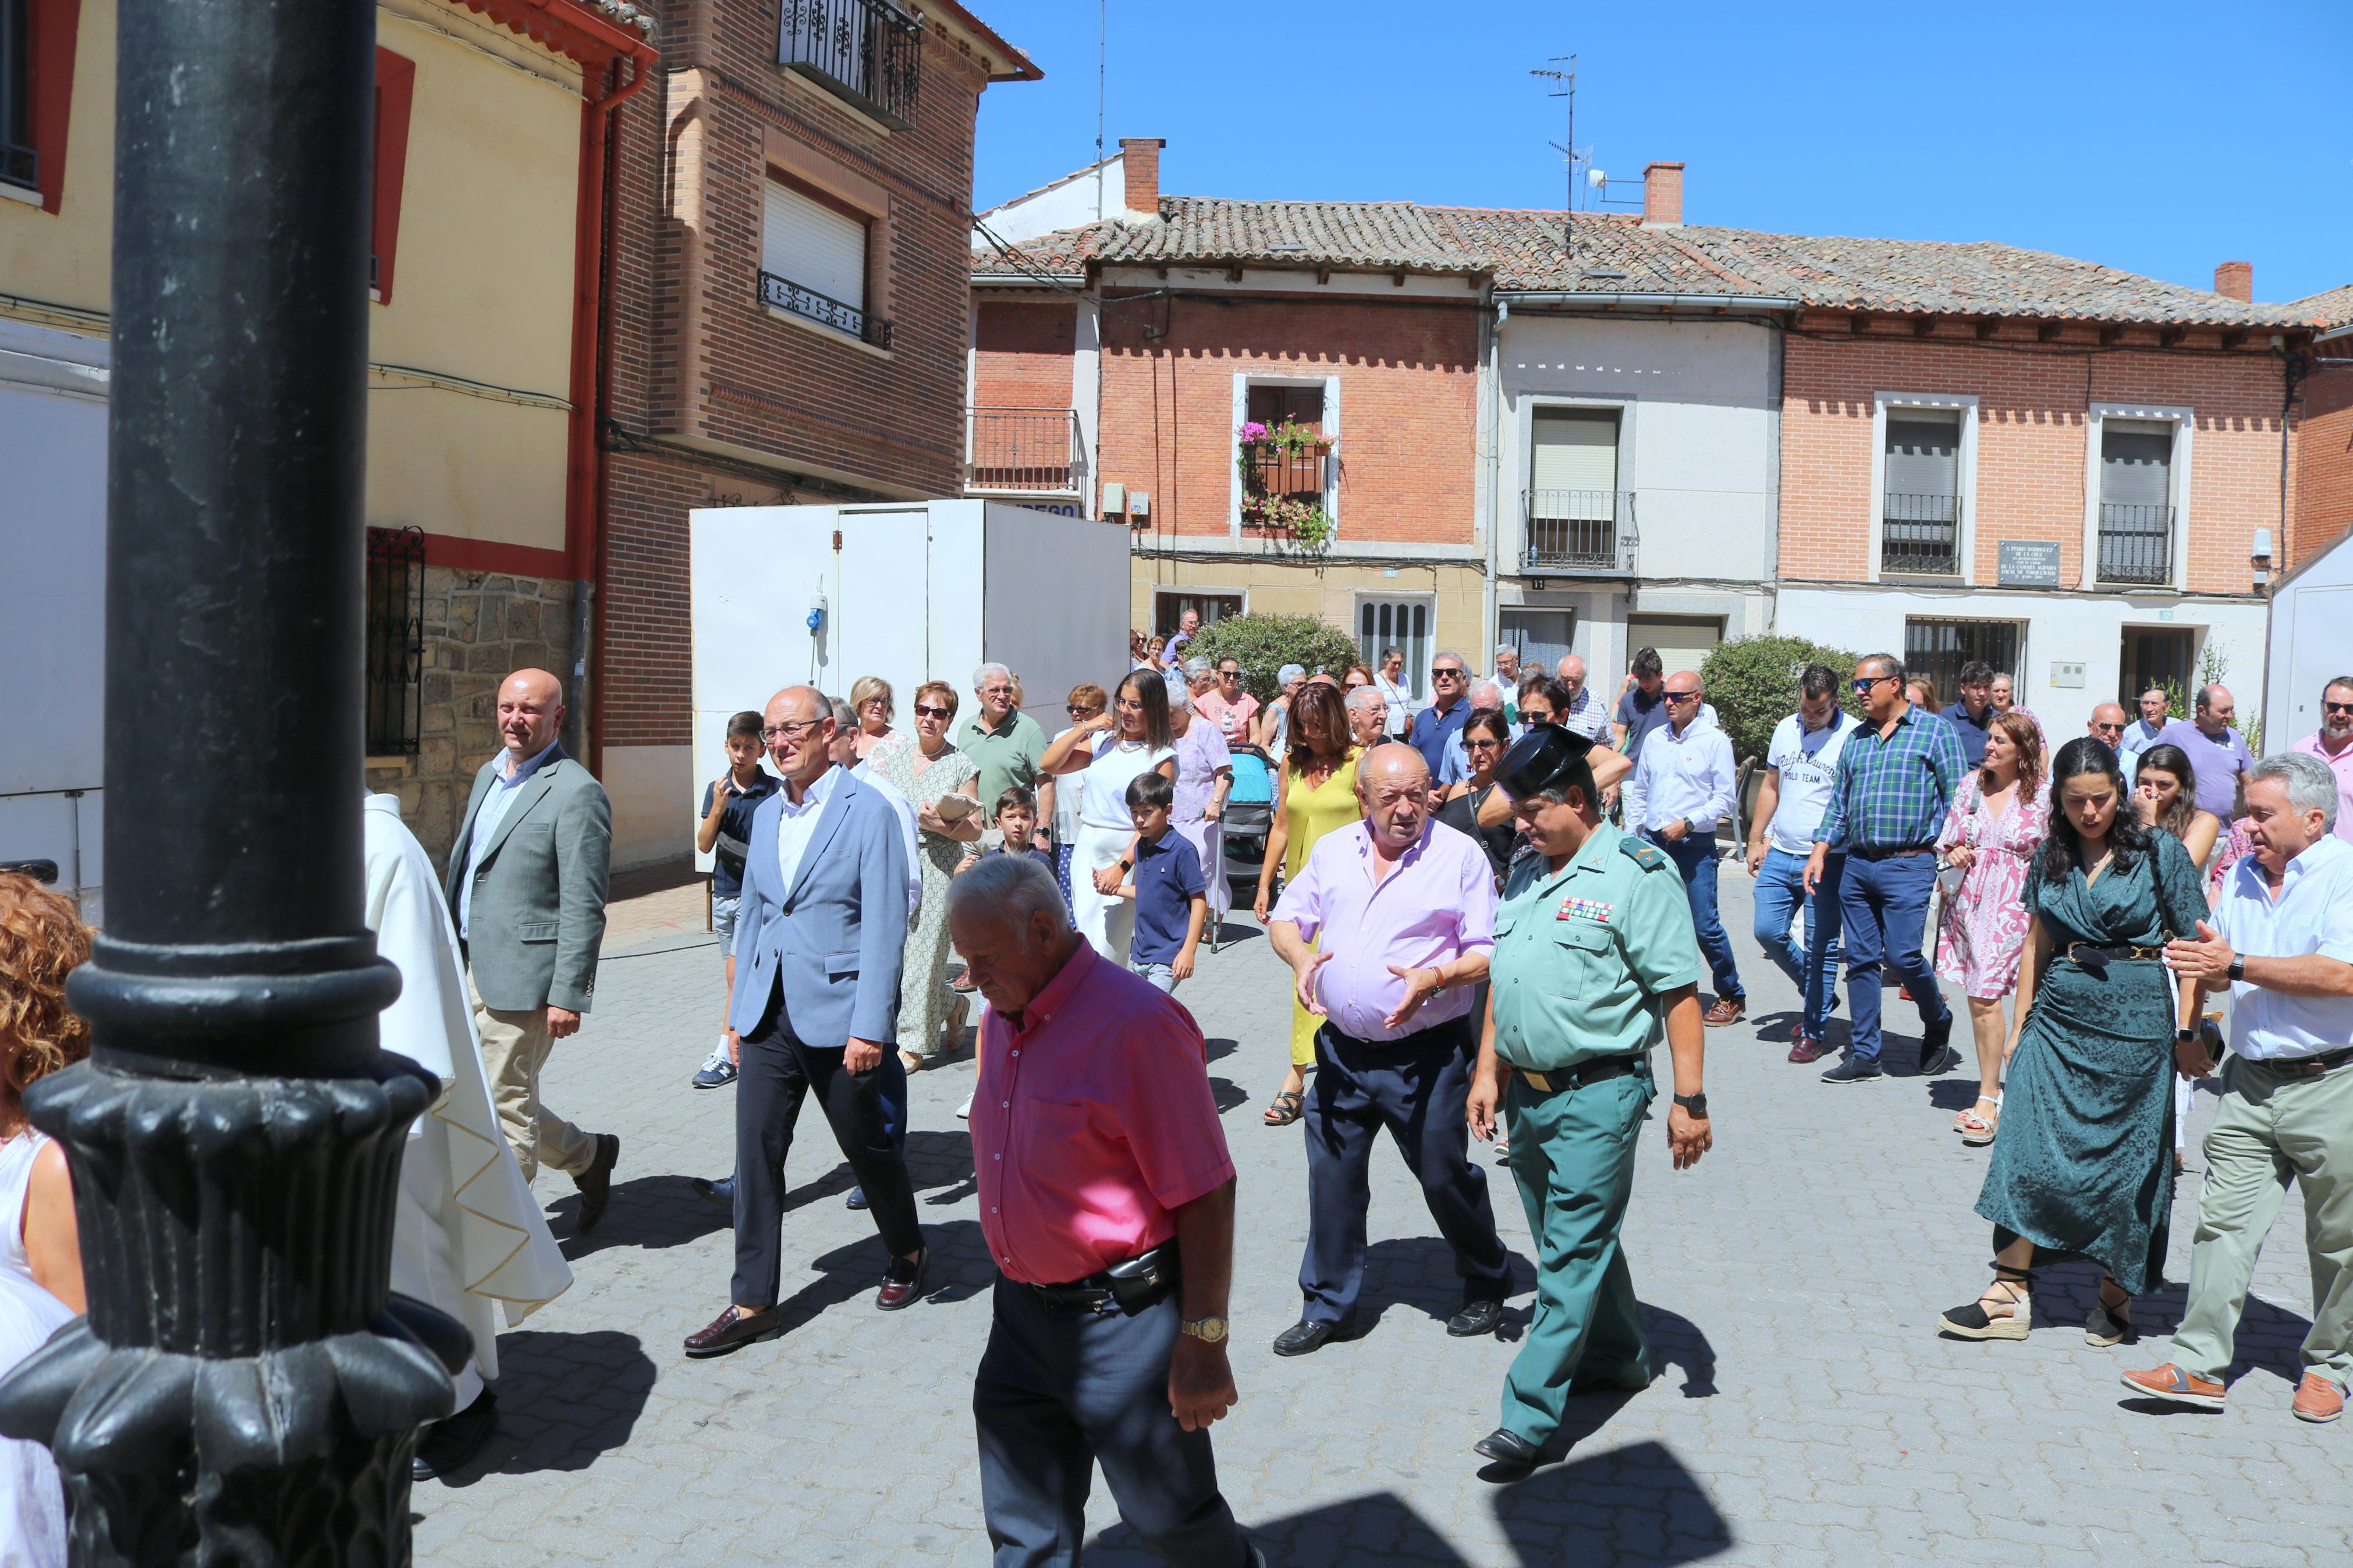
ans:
(2324, 475)
(787, 320)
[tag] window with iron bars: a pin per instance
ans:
(396, 640)
(866, 53)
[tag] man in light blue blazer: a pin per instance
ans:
(818, 939)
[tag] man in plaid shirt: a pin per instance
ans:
(1896, 780)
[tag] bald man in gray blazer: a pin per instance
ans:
(527, 886)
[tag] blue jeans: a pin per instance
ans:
(1780, 894)
(1695, 855)
(1882, 912)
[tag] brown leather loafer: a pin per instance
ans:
(596, 1184)
(732, 1329)
(902, 1282)
(1806, 1047)
(2317, 1399)
(1727, 1010)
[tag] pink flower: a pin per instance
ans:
(1253, 431)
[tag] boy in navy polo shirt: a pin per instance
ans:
(1172, 901)
(726, 835)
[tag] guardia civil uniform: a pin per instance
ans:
(1582, 956)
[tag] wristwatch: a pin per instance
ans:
(2184, 1036)
(1696, 1104)
(1208, 1330)
(2238, 970)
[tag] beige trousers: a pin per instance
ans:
(514, 1048)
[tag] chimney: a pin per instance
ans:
(1663, 195)
(1140, 157)
(2236, 280)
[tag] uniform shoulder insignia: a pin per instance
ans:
(1646, 855)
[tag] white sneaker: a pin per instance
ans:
(964, 1112)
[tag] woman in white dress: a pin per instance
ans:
(1111, 749)
(922, 765)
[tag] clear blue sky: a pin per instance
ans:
(2157, 137)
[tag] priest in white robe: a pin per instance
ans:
(467, 1233)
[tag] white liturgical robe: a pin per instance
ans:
(467, 1231)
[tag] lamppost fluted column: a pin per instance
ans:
(244, 1387)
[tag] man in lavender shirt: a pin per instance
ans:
(1401, 911)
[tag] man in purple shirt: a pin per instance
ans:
(1401, 911)
(2217, 754)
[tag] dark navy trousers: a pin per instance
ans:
(1061, 1390)
(1882, 917)
(1416, 1088)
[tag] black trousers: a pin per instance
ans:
(1416, 1088)
(1060, 1390)
(775, 1073)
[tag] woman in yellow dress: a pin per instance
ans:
(1317, 787)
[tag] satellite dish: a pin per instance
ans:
(1595, 178)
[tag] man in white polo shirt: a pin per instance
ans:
(1800, 772)
(2282, 941)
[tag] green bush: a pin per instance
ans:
(1264, 643)
(1752, 683)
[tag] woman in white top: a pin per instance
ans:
(41, 940)
(1111, 749)
(1058, 799)
(876, 704)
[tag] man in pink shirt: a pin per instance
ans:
(1401, 913)
(2333, 744)
(1100, 1163)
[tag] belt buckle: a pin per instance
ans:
(1537, 1081)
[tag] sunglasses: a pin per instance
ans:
(1443, 674)
(2338, 707)
(924, 709)
(1863, 688)
(2107, 728)
(1076, 708)
(1682, 696)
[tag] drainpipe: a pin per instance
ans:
(1494, 326)
(1777, 335)
(591, 357)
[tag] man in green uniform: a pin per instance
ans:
(1595, 962)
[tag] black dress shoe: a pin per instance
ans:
(1939, 1061)
(449, 1445)
(732, 1329)
(1934, 1038)
(596, 1184)
(1475, 1319)
(1305, 1337)
(1507, 1448)
(902, 1283)
(857, 1199)
(721, 1192)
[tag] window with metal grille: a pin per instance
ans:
(813, 262)
(1400, 624)
(396, 640)
(1935, 651)
(1920, 507)
(19, 164)
(2136, 500)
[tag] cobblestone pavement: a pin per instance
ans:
(1809, 1412)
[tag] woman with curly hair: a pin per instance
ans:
(2083, 1167)
(41, 941)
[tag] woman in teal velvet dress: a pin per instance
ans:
(2082, 1164)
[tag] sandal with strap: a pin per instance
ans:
(1976, 1131)
(1287, 1108)
(2109, 1325)
(1973, 1322)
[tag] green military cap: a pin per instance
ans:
(1538, 759)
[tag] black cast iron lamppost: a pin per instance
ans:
(244, 1389)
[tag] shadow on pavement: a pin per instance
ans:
(564, 1399)
(1417, 1271)
(1227, 1093)
(958, 1269)
(651, 1212)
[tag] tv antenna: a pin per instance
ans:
(1563, 85)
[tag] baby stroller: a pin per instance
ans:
(1250, 816)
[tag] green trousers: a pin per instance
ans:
(2273, 1130)
(1572, 1157)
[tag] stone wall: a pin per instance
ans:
(478, 626)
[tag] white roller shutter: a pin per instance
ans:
(807, 242)
(1575, 451)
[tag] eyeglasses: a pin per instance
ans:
(1444, 673)
(2338, 707)
(1080, 707)
(2105, 728)
(1863, 688)
(1230, 674)
(1483, 745)
(1682, 696)
(790, 730)
(925, 711)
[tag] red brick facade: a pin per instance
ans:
(1022, 354)
(2033, 402)
(2325, 477)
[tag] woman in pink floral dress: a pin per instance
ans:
(1995, 827)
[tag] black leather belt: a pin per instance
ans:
(2091, 955)
(1598, 1071)
(1892, 854)
(2308, 1067)
(1128, 1286)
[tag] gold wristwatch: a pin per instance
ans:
(1208, 1330)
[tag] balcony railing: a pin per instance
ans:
(1580, 530)
(1027, 451)
(2136, 543)
(866, 52)
(823, 308)
(1283, 474)
(1921, 534)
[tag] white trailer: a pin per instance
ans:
(910, 591)
(2311, 643)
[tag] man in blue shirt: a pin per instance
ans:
(1448, 711)
(1896, 778)
(1972, 716)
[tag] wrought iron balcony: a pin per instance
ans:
(1271, 472)
(823, 308)
(868, 53)
(1921, 535)
(1025, 450)
(1580, 530)
(2136, 543)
